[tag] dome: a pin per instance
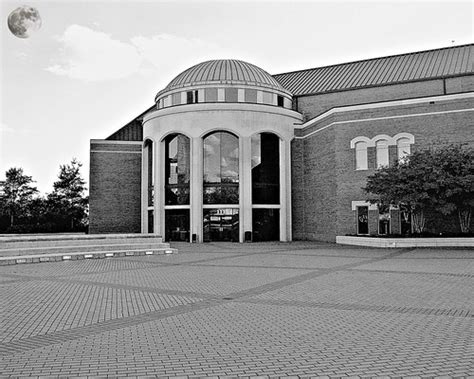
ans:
(223, 71)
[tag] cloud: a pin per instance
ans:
(4, 128)
(94, 56)
(91, 55)
(166, 51)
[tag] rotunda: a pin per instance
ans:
(216, 156)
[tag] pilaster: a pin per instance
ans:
(196, 188)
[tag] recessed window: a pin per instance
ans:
(363, 220)
(361, 155)
(403, 148)
(381, 149)
(280, 101)
(384, 221)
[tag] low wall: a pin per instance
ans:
(405, 242)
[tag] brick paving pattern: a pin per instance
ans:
(269, 310)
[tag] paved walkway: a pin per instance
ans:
(301, 309)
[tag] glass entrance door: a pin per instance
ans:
(221, 224)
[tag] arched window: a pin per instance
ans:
(381, 148)
(403, 148)
(150, 180)
(177, 169)
(266, 187)
(221, 187)
(221, 168)
(177, 179)
(361, 155)
(149, 171)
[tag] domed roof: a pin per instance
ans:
(223, 71)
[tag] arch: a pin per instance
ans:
(147, 141)
(355, 140)
(382, 137)
(219, 129)
(268, 131)
(167, 134)
(408, 136)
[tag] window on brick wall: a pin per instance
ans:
(381, 153)
(361, 155)
(363, 220)
(403, 148)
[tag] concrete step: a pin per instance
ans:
(47, 248)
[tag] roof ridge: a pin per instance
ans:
(373, 59)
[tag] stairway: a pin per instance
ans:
(16, 249)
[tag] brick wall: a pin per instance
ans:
(430, 129)
(325, 181)
(314, 187)
(313, 105)
(115, 187)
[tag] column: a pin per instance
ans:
(196, 188)
(245, 179)
(285, 191)
(144, 213)
(159, 165)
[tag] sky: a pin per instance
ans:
(93, 66)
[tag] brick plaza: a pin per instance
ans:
(271, 309)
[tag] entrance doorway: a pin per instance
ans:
(177, 225)
(221, 225)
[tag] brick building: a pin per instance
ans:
(230, 152)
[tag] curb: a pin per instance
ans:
(43, 258)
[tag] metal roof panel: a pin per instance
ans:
(421, 65)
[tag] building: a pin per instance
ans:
(229, 152)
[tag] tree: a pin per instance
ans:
(18, 194)
(453, 187)
(67, 204)
(402, 186)
(441, 178)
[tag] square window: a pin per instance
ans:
(189, 97)
(250, 95)
(210, 95)
(176, 98)
(267, 98)
(231, 95)
(280, 100)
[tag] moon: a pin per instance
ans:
(24, 21)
